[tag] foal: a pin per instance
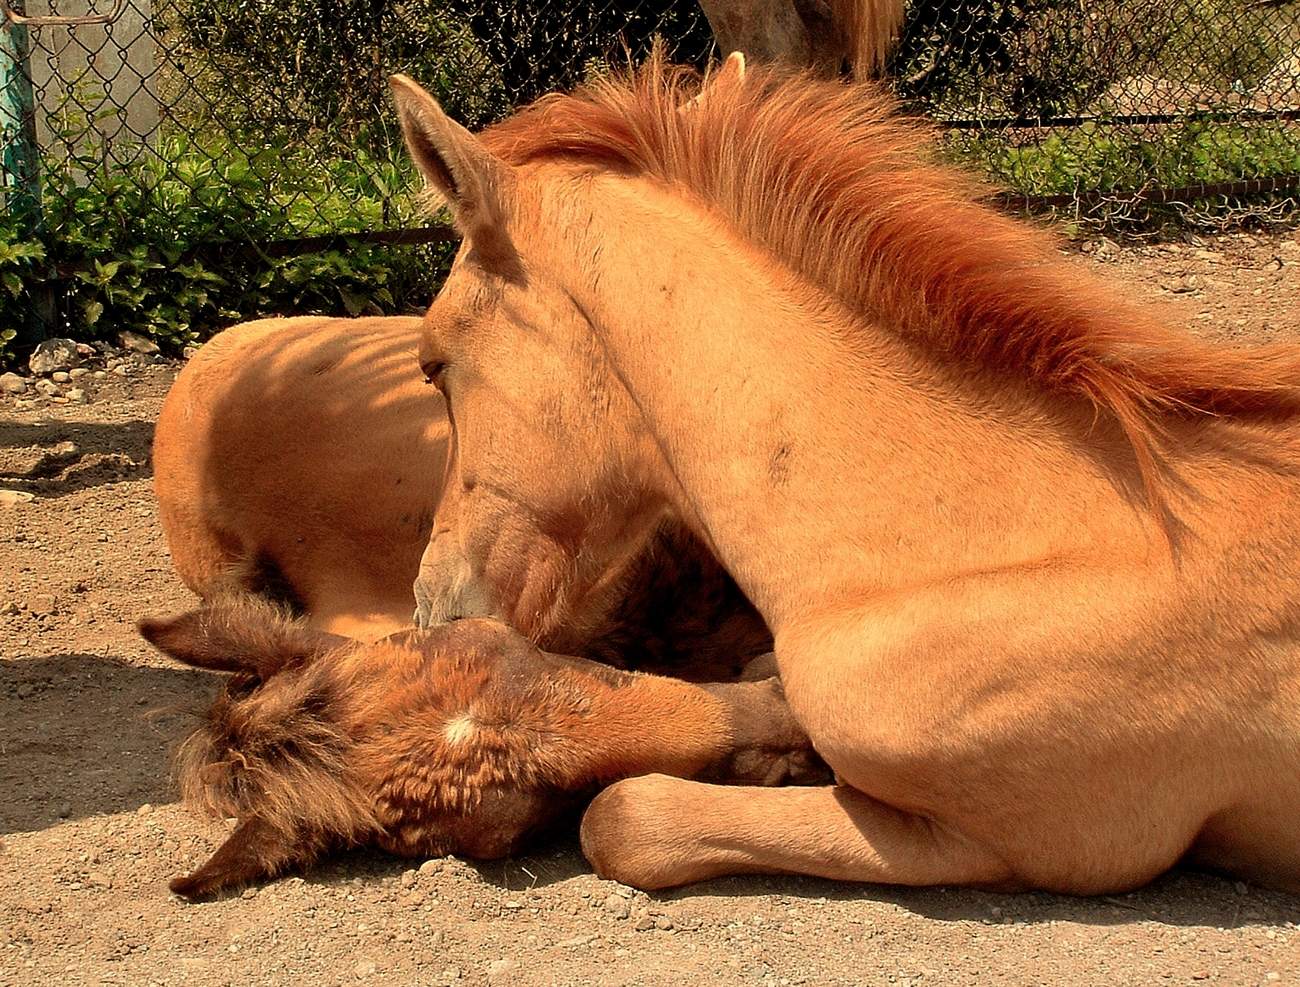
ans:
(1030, 555)
(465, 739)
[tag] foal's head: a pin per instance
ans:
(424, 743)
(553, 477)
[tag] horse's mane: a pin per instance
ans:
(829, 179)
(869, 28)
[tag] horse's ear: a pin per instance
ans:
(243, 634)
(255, 851)
(732, 69)
(469, 177)
(730, 73)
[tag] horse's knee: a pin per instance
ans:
(626, 831)
(865, 738)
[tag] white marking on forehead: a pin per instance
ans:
(459, 729)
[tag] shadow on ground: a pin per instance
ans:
(82, 735)
(35, 459)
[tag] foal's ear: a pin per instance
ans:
(255, 851)
(238, 635)
(732, 69)
(471, 179)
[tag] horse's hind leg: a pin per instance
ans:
(657, 832)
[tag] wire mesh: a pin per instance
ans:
(265, 125)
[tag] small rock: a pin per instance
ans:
(136, 343)
(47, 388)
(99, 374)
(500, 969)
(76, 373)
(450, 975)
(617, 906)
(99, 879)
(65, 811)
(408, 878)
(430, 867)
(77, 394)
(663, 923)
(644, 924)
(121, 370)
(53, 354)
(60, 376)
(1178, 285)
(15, 497)
(512, 905)
(249, 894)
(11, 383)
(190, 352)
(1272, 976)
(364, 968)
(42, 604)
(144, 810)
(1240, 887)
(575, 941)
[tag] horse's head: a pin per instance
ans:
(554, 478)
(424, 743)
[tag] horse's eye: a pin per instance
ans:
(433, 371)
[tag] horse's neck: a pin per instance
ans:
(821, 458)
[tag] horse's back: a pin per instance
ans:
(301, 458)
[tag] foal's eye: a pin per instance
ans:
(433, 371)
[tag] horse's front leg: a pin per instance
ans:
(634, 724)
(658, 831)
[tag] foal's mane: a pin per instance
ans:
(831, 180)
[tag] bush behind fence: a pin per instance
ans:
(200, 161)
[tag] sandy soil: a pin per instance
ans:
(89, 831)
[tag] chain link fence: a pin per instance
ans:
(169, 165)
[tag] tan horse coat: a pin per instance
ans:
(301, 460)
(1028, 553)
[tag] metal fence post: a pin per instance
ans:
(19, 155)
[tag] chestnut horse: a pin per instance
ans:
(465, 739)
(300, 460)
(1031, 556)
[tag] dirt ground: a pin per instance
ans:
(90, 832)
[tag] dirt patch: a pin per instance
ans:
(89, 832)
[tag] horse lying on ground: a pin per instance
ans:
(301, 460)
(1031, 557)
(465, 739)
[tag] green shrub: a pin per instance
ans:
(1104, 158)
(170, 246)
